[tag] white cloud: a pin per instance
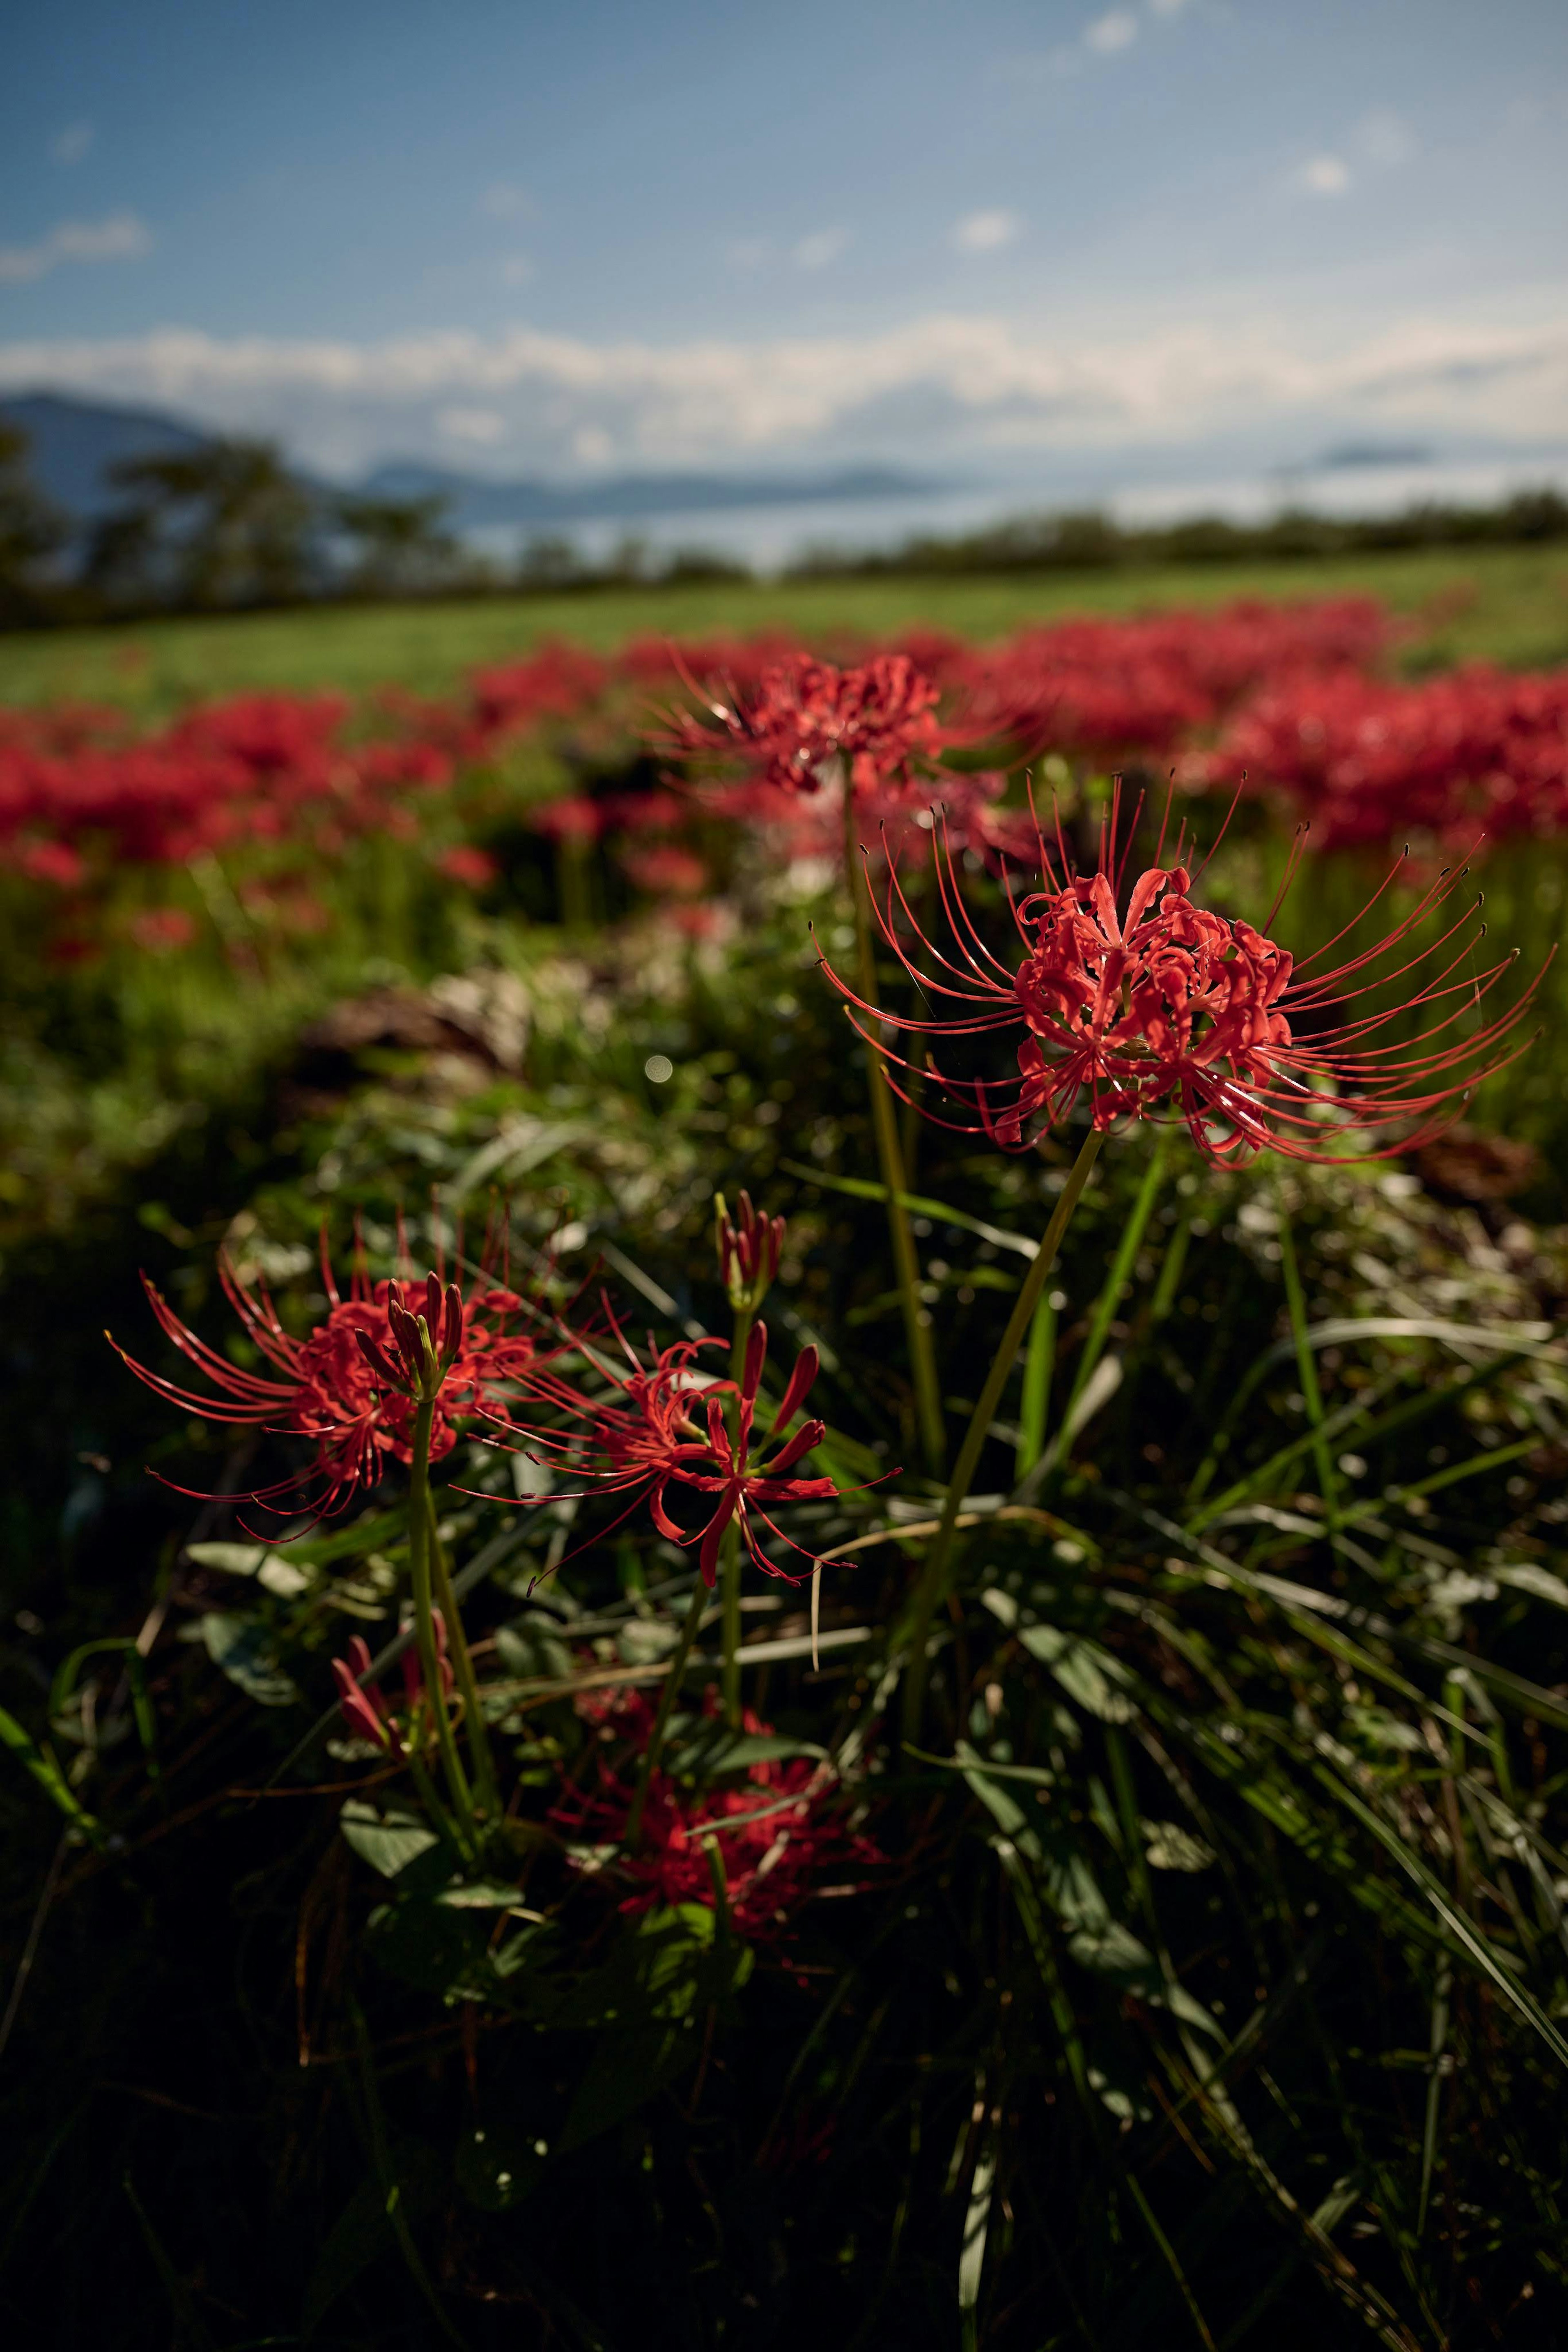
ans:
(504, 200)
(948, 383)
(70, 145)
(1166, 7)
(983, 232)
(481, 428)
(516, 269)
(120, 237)
(1384, 137)
(824, 245)
(1117, 29)
(1324, 175)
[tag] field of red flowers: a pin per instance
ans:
(850, 1611)
(1293, 702)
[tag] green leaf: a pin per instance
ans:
(40, 1762)
(364, 2230)
(388, 1838)
(437, 1949)
(1170, 1847)
(715, 1748)
(228, 1559)
(626, 2070)
(532, 1649)
(243, 1647)
(1085, 1671)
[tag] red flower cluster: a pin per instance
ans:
(364, 1703)
(1280, 691)
(1371, 762)
(668, 1426)
(264, 769)
(1115, 690)
(340, 1387)
(778, 1836)
(808, 720)
(1164, 1004)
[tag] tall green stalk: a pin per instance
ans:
(729, 1557)
(419, 1549)
(650, 1754)
(487, 1788)
(890, 1157)
(933, 1584)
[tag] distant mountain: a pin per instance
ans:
(476, 503)
(72, 445)
(1349, 453)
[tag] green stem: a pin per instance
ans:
(1038, 1365)
(1122, 1265)
(1306, 1362)
(933, 1584)
(885, 1122)
(463, 1667)
(667, 1702)
(419, 1529)
(729, 1569)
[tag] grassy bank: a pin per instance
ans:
(1500, 604)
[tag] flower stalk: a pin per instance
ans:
(890, 1157)
(673, 1680)
(420, 1534)
(932, 1587)
(748, 1255)
(486, 1785)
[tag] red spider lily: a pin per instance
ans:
(1169, 1005)
(669, 1427)
(1370, 761)
(362, 1703)
(806, 717)
(749, 1253)
(1136, 687)
(777, 1837)
(474, 868)
(349, 1385)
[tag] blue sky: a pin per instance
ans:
(984, 237)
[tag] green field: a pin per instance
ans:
(1502, 604)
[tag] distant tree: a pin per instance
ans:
(225, 524)
(31, 530)
(402, 549)
(550, 563)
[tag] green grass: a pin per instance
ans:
(1504, 604)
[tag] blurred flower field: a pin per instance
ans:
(1092, 1871)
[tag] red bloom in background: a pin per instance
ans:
(667, 1426)
(1167, 1005)
(1371, 761)
(474, 868)
(332, 1389)
(364, 1703)
(162, 930)
(778, 1836)
(806, 716)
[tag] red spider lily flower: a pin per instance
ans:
(779, 1837)
(749, 1253)
(806, 717)
(1167, 1005)
(362, 1703)
(669, 1427)
(474, 868)
(349, 1385)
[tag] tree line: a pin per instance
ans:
(226, 525)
